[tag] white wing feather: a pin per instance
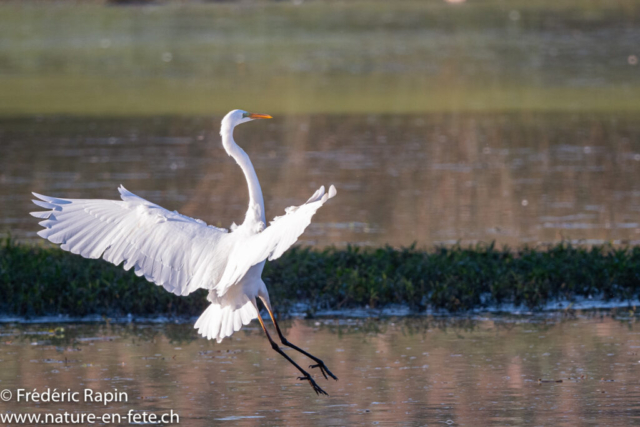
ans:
(179, 253)
(273, 241)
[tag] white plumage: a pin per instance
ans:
(183, 254)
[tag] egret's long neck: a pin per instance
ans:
(255, 212)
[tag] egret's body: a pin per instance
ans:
(183, 254)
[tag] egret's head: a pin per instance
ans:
(235, 117)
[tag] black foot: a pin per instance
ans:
(324, 370)
(313, 384)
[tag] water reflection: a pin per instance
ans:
(401, 372)
(434, 179)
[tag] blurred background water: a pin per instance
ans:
(513, 122)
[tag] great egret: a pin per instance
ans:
(183, 254)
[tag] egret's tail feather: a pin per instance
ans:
(220, 322)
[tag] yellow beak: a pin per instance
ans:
(259, 116)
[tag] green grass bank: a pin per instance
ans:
(39, 280)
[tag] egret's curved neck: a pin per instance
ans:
(255, 213)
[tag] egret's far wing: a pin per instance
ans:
(179, 253)
(273, 241)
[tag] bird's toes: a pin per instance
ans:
(321, 391)
(318, 390)
(324, 371)
(313, 385)
(321, 370)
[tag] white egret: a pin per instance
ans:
(183, 254)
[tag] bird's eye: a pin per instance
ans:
(245, 115)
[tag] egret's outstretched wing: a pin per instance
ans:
(167, 248)
(273, 241)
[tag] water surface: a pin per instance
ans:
(391, 372)
(512, 178)
(373, 56)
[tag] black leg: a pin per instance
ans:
(305, 374)
(319, 363)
